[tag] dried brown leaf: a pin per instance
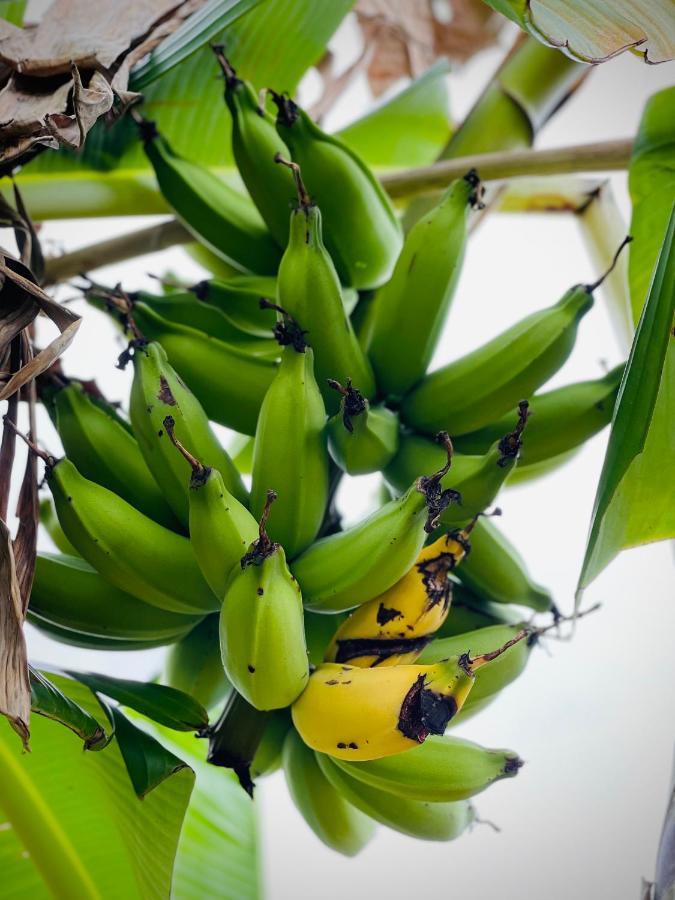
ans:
(8, 444)
(15, 698)
(27, 510)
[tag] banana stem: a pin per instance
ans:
(438, 499)
(263, 547)
(199, 470)
(303, 197)
(46, 458)
(596, 284)
(228, 70)
(235, 737)
(510, 444)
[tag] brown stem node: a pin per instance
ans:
(200, 472)
(596, 284)
(510, 445)
(353, 402)
(228, 70)
(304, 200)
(263, 547)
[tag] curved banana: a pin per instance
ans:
(470, 613)
(229, 383)
(308, 289)
(363, 234)
(255, 143)
(361, 438)
(562, 420)
(51, 525)
(238, 298)
(416, 818)
(290, 448)
(68, 593)
(268, 756)
(395, 627)
(441, 770)
(158, 392)
(90, 641)
(215, 213)
(410, 309)
(478, 388)
(129, 550)
(349, 568)
(262, 636)
(106, 452)
(221, 528)
(193, 664)
(336, 823)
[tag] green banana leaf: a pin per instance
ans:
(48, 701)
(71, 825)
(196, 31)
(165, 705)
(632, 505)
(651, 180)
(593, 31)
(410, 129)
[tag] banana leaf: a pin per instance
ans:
(48, 701)
(633, 505)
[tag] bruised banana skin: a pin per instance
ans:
(229, 384)
(394, 628)
(483, 385)
(290, 452)
(363, 234)
(562, 420)
(415, 818)
(496, 571)
(105, 452)
(336, 823)
(308, 288)
(441, 770)
(403, 334)
(129, 550)
(363, 714)
(217, 215)
(361, 438)
(193, 664)
(156, 392)
(262, 636)
(68, 593)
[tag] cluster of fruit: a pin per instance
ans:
(320, 353)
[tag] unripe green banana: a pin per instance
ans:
(349, 568)
(309, 290)
(129, 550)
(71, 595)
(262, 637)
(410, 309)
(215, 213)
(158, 392)
(290, 450)
(441, 770)
(255, 143)
(238, 298)
(470, 613)
(416, 818)
(221, 528)
(51, 525)
(477, 478)
(107, 453)
(363, 234)
(319, 632)
(268, 756)
(494, 570)
(478, 388)
(89, 641)
(562, 420)
(361, 438)
(336, 823)
(229, 384)
(193, 664)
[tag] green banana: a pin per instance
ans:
(215, 213)
(562, 420)
(221, 528)
(107, 453)
(290, 451)
(262, 636)
(308, 289)
(51, 525)
(157, 392)
(68, 593)
(349, 568)
(363, 234)
(416, 818)
(193, 664)
(90, 641)
(494, 570)
(469, 613)
(229, 383)
(268, 756)
(238, 299)
(441, 770)
(477, 479)
(319, 631)
(361, 438)
(333, 820)
(410, 309)
(130, 551)
(478, 388)
(255, 143)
